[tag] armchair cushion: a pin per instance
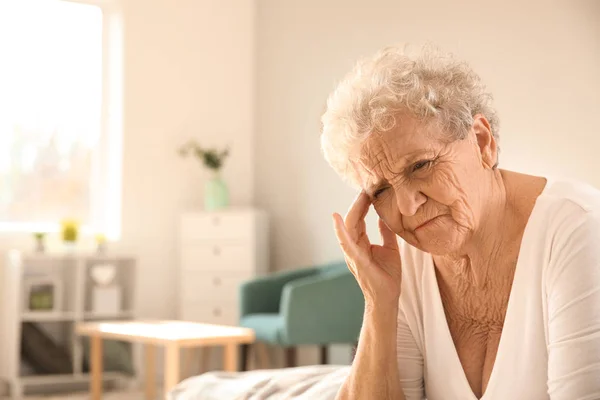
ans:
(263, 295)
(267, 327)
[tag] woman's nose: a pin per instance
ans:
(409, 201)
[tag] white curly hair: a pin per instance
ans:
(430, 85)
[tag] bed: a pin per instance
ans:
(319, 382)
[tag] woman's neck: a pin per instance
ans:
(490, 256)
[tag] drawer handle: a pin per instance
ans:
(217, 281)
(216, 251)
(217, 312)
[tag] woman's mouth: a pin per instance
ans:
(426, 223)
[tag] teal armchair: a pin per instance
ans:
(320, 306)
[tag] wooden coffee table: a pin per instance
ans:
(173, 335)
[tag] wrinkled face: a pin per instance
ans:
(428, 189)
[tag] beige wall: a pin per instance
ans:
(189, 72)
(541, 59)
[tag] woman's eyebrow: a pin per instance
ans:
(408, 159)
(416, 155)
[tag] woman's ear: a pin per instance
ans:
(488, 148)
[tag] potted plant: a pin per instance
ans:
(216, 194)
(100, 242)
(70, 232)
(39, 241)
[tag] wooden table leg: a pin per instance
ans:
(96, 367)
(246, 351)
(205, 352)
(230, 357)
(171, 367)
(188, 355)
(262, 353)
(150, 371)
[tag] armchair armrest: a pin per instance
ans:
(322, 309)
(263, 294)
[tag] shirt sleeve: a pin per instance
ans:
(410, 361)
(573, 310)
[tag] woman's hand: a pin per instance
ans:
(377, 269)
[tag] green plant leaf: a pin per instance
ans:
(211, 158)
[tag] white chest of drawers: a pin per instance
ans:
(217, 252)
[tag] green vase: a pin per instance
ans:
(216, 195)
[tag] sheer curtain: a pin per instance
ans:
(50, 111)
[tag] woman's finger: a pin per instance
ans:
(388, 237)
(349, 246)
(357, 212)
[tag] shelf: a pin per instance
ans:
(68, 378)
(74, 306)
(91, 315)
(76, 256)
(40, 316)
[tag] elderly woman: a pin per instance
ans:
(494, 291)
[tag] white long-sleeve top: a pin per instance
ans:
(550, 343)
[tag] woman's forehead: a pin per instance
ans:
(365, 177)
(396, 146)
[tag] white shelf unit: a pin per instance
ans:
(73, 270)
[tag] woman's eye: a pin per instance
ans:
(421, 165)
(378, 192)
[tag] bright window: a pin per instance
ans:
(52, 116)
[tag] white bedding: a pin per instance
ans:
(319, 382)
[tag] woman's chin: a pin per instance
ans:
(438, 243)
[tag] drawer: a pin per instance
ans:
(204, 313)
(217, 257)
(203, 286)
(211, 226)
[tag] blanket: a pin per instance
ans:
(319, 382)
